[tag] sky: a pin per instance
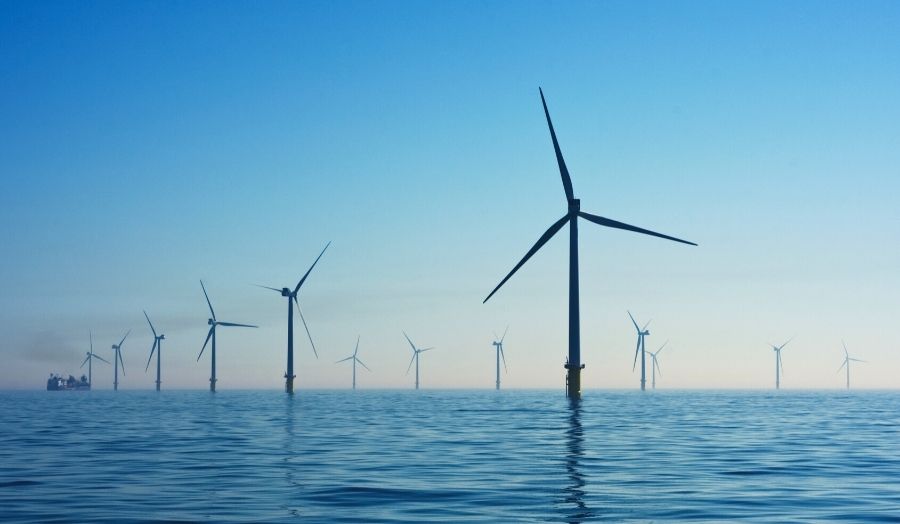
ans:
(145, 146)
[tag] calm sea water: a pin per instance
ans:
(405, 456)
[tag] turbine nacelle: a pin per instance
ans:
(574, 206)
(285, 292)
(211, 321)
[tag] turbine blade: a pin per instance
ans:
(208, 336)
(503, 358)
(786, 343)
(424, 350)
(647, 324)
(563, 171)
(211, 312)
(100, 359)
(842, 366)
(541, 241)
(410, 362)
(363, 365)
(413, 346)
(661, 348)
(267, 287)
(857, 360)
(343, 359)
(658, 367)
(123, 338)
(232, 324)
(121, 362)
(780, 363)
(355, 351)
(316, 353)
(621, 225)
(152, 349)
(296, 289)
(85, 360)
(151, 323)
(91, 334)
(633, 322)
(504, 334)
(845, 349)
(637, 349)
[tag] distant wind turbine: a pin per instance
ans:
(573, 364)
(498, 345)
(292, 297)
(157, 346)
(117, 359)
(212, 334)
(779, 367)
(656, 362)
(641, 332)
(89, 358)
(416, 352)
(846, 363)
(355, 359)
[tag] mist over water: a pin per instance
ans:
(406, 456)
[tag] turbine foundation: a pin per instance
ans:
(573, 380)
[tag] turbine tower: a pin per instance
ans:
(656, 362)
(498, 345)
(641, 332)
(355, 359)
(573, 363)
(89, 358)
(117, 359)
(846, 363)
(157, 346)
(779, 367)
(212, 334)
(416, 352)
(292, 299)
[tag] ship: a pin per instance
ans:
(58, 383)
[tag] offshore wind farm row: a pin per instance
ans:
(573, 364)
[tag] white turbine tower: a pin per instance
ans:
(498, 345)
(416, 352)
(656, 362)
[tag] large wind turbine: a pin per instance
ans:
(292, 299)
(355, 359)
(117, 359)
(846, 363)
(212, 334)
(778, 365)
(641, 332)
(89, 358)
(656, 362)
(573, 364)
(415, 357)
(157, 346)
(498, 345)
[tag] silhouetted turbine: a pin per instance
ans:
(157, 346)
(117, 359)
(212, 334)
(641, 332)
(498, 345)
(573, 364)
(779, 367)
(89, 358)
(292, 297)
(656, 362)
(415, 357)
(846, 363)
(354, 358)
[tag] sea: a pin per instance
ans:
(449, 456)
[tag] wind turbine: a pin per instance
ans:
(354, 358)
(656, 362)
(292, 297)
(573, 364)
(415, 357)
(89, 358)
(641, 332)
(778, 365)
(212, 334)
(498, 345)
(157, 346)
(117, 359)
(846, 363)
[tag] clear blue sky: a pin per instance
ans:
(146, 145)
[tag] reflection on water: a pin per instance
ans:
(576, 510)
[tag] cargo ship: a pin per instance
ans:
(58, 383)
